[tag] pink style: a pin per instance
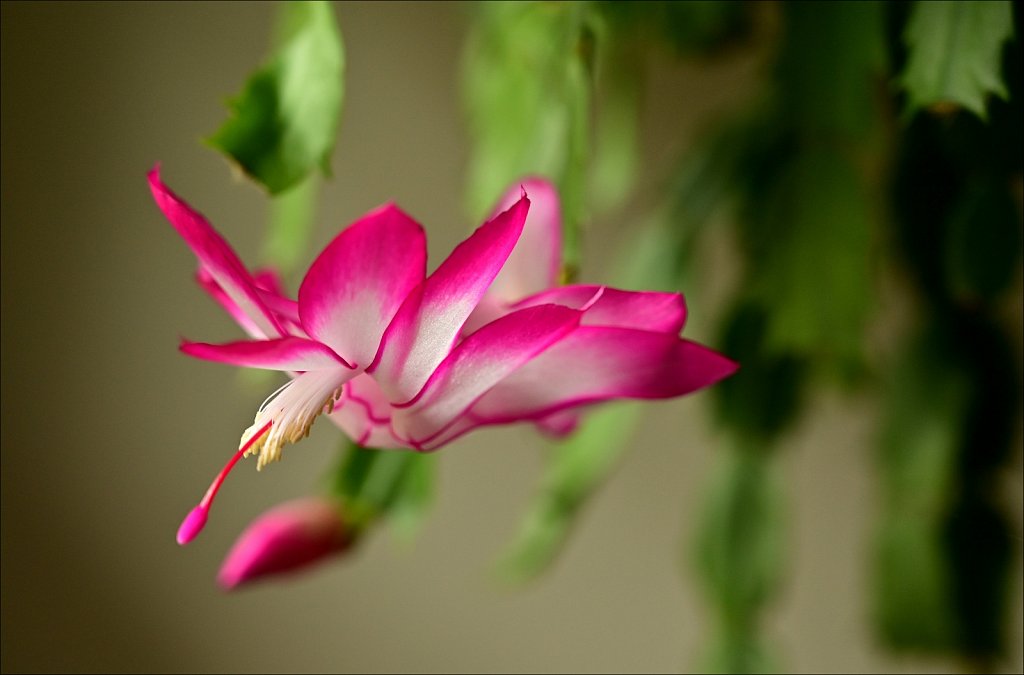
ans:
(399, 359)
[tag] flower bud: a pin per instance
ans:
(288, 537)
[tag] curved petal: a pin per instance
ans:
(213, 289)
(364, 391)
(536, 260)
(561, 423)
(358, 282)
(364, 414)
(382, 437)
(428, 322)
(478, 363)
(268, 279)
(216, 256)
(286, 310)
(601, 363)
(590, 365)
(287, 353)
(269, 289)
(353, 420)
(645, 310)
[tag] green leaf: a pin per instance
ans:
(527, 97)
(924, 404)
(375, 484)
(291, 221)
(698, 26)
(831, 55)
(703, 184)
(575, 469)
(739, 553)
(955, 51)
(618, 84)
(912, 608)
(763, 398)
(284, 122)
(816, 271)
(983, 241)
(416, 496)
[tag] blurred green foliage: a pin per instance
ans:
(375, 484)
(283, 123)
(292, 214)
(739, 553)
(576, 468)
(823, 181)
(701, 27)
(955, 53)
(526, 81)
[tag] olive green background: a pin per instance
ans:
(109, 435)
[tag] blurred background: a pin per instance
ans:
(845, 466)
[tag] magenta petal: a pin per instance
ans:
(287, 538)
(216, 257)
(428, 322)
(288, 353)
(207, 283)
(356, 285)
(267, 279)
(561, 423)
(357, 425)
(478, 363)
(366, 393)
(604, 306)
(287, 311)
(364, 414)
(601, 363)
(535, 262)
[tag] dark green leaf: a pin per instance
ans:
(983, 241)
(830, 56)
(924, 414)
(816, 274)
(912, 608)
(763, 398)
(740, 541)
(284, 122)
(955, 51)
(694, 27)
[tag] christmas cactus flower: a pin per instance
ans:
(399, 359)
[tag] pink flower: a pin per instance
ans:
(399, 359)
(287, 538)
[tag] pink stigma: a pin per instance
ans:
(195, 521)
(193, 524)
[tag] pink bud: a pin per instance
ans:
(288, 537)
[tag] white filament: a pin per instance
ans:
(293, 408)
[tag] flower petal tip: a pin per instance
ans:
(229, 580)
(728, 367)
(193, 524)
